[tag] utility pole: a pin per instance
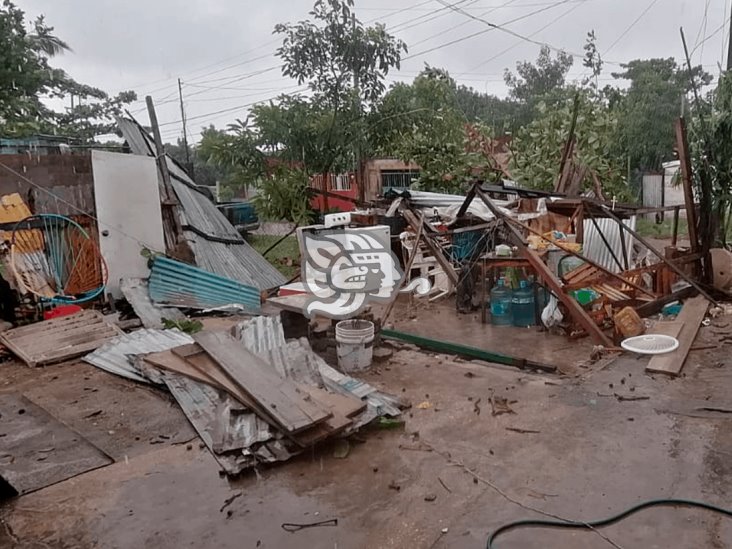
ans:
(185, 134)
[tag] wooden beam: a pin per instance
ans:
(407, 270)
(690, 317)
(436, 251)
(682, 147)
(575, 309)
(660, 256)
(570, 251)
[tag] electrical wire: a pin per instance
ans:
(592, 525)
(493, 26)
(519, 42)
(450, 29)
(630, 27)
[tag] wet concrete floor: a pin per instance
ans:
(565, 445)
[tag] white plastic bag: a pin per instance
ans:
(551, 315)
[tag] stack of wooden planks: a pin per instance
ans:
(304, 414)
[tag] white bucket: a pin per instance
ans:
(355, 344)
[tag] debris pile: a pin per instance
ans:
(252, 396)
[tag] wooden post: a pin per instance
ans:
(541, 269)
(436, 251)
(175, 245)
(682, 147)
(407, 270)
(660, 256)
(675, 231)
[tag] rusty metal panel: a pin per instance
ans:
(36, 450)
(59, 339)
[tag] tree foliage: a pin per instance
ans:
(537, 148)
(535, 81)
(648, 109)
(27, 78)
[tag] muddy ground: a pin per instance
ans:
(565, 445)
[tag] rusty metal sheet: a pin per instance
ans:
(59, 339)
(37, 450)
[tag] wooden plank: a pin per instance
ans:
(293, 410)
(167, 360)
(691, 316)
(336, 403)
(545, 273)
(670, 328)
(682, 147)
(434, 248)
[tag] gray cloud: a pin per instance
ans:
(146, 45)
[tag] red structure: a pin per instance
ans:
(342, 185)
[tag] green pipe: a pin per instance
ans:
(464, 350)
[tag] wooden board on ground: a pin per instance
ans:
(293, 409)
(691, 316)
(59, 339)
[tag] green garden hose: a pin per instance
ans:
(541, 523)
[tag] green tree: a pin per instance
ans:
(648, 109)
(344, 65)
(27, 78)
(535, 81)
(235, 153)
(537, 148)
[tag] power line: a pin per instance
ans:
(227, 110)
(506, 4)
(630, 27)
(493, 26)
(519, 42)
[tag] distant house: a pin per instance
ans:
(379, 175)
(36, 144)
(663, 188)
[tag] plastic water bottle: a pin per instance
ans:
(523, 305)
(501, 313)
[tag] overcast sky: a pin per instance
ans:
(223, 50)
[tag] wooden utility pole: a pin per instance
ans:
(172, 229)
(185, 133)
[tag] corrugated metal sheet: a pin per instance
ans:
(182, 285)
(216, 244)
(264, 336)
(114, 356)
(594, 248)
(653, 191)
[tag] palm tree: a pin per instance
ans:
(43, 39)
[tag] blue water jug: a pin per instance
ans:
(523, 305)
(501, 314)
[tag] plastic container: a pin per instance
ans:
(354, 345)
(501, 312)
(523, 305)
